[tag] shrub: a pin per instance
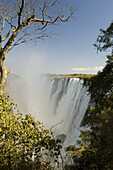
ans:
(24, 143)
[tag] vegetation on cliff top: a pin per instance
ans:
(81, 76)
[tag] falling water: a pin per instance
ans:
(62, 105)
(59, 103)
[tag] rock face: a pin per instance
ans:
(18, 91)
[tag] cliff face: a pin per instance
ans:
(17, 89)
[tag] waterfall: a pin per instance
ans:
(62, 105)
(59, 103)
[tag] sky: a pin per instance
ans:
(72, 51)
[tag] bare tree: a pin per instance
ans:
(22, 21)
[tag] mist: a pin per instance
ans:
(57, 103)
(29, 67)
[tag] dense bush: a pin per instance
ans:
(24, 143)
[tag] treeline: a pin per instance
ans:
(60, 76)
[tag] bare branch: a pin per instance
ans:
(33, 17)
(52, 21)
(18, 4)
(10, 23)
(26, 40)
(3, 39)
(3, 24)
(39, 5)
(20, 13)
(52, 4)
(28, 20)
(43, 26)
(43, 11)
(56, 125)
(53, 127)
(17, 42)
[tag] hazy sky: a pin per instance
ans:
(73, 50)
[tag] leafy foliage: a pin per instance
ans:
(24, 143)
(95, 149)
(101, 85)
(105, 39)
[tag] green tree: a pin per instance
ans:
(24, 143)
(22, 21)
(105, 39)
(95, 149)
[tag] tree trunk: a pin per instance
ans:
(3, 51)
(3, 77)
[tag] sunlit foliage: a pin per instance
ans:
(24, 143)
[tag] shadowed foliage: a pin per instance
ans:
(95, 149)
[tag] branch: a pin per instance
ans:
(53, 127)
(24, 41)
(38, 5)
(28, 20)
(10, 41)
(18, 3)
(3, 24)
(56, 125)
(28, 16)
(20, 13)
(52, 4)
(12, 25)
(52, 21)
(3, 39)
(44, 10)
(43, 26)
